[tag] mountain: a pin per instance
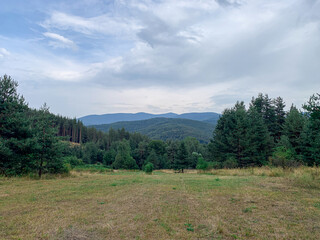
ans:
(210, 117)
(165, 128)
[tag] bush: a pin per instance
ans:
(73, 161)
(202, 164)
(284, 157)
(215, 165)
(148, 168)
(230, 163)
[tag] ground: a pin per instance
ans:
(164, 205)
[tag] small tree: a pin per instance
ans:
(123, 159)
(201, 164)
(181, 162)
(47, 149)
(148, 168)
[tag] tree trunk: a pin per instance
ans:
(40, 169)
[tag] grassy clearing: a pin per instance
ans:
(224, 204)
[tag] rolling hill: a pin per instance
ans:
(165, 128)
(210, 117)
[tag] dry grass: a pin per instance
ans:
(224, 204)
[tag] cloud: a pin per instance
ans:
(4, 52)
(226, 3)
(59, 41)
(91, 26)
(171, 55)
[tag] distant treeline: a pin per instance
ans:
(37, 141)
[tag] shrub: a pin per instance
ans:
(215, 165)
(284, 157)
(230, 163)
(73, 161)
(202, 164)
(148, 168)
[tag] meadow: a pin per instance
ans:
(256, 203)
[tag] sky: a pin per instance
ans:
(102, 56)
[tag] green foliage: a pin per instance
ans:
(154, 159)
(311, 133)
(249, 209)
(189, 227)
(201, 164)
(109, 157)
(148, 168)
(292, 130)
(181, 162)
(317, 205)
(214, 165)
(283, 157)
(73, 161)
(37, 141)
(230, 163)
(92, 154)
(92, 168)
(15, 132)
(123, 159)
(47, 149)
(240, 135)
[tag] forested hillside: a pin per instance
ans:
(210, 117)
(165, 128)
(37, 141)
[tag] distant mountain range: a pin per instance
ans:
(165, 128)
(158, 126)
(209, 117)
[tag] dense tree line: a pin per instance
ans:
(265, 133)
(37, 141)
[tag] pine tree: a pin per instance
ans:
(293, 128)
(15, 132)
(280, 115)
(154, 159)
(172, 153)
(47, 147)
(181, 162)
(230, 136)
(265, 107)
(258, 138)
(311, 132)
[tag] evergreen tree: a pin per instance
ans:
(154, 159)
(47, 151)
(123, 158)
(193, 145)
(15, 130)
(265, 107)
(140, 153)
(280, 115)
(172, 153)
(109, 157)
(91, 153)
(258, 138)
(311, 132)
(230, 136)
(181, 162)
(293, 128)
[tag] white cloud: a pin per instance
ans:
(103, 24)
(4, 52)
(174, 55)
(59, 41)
